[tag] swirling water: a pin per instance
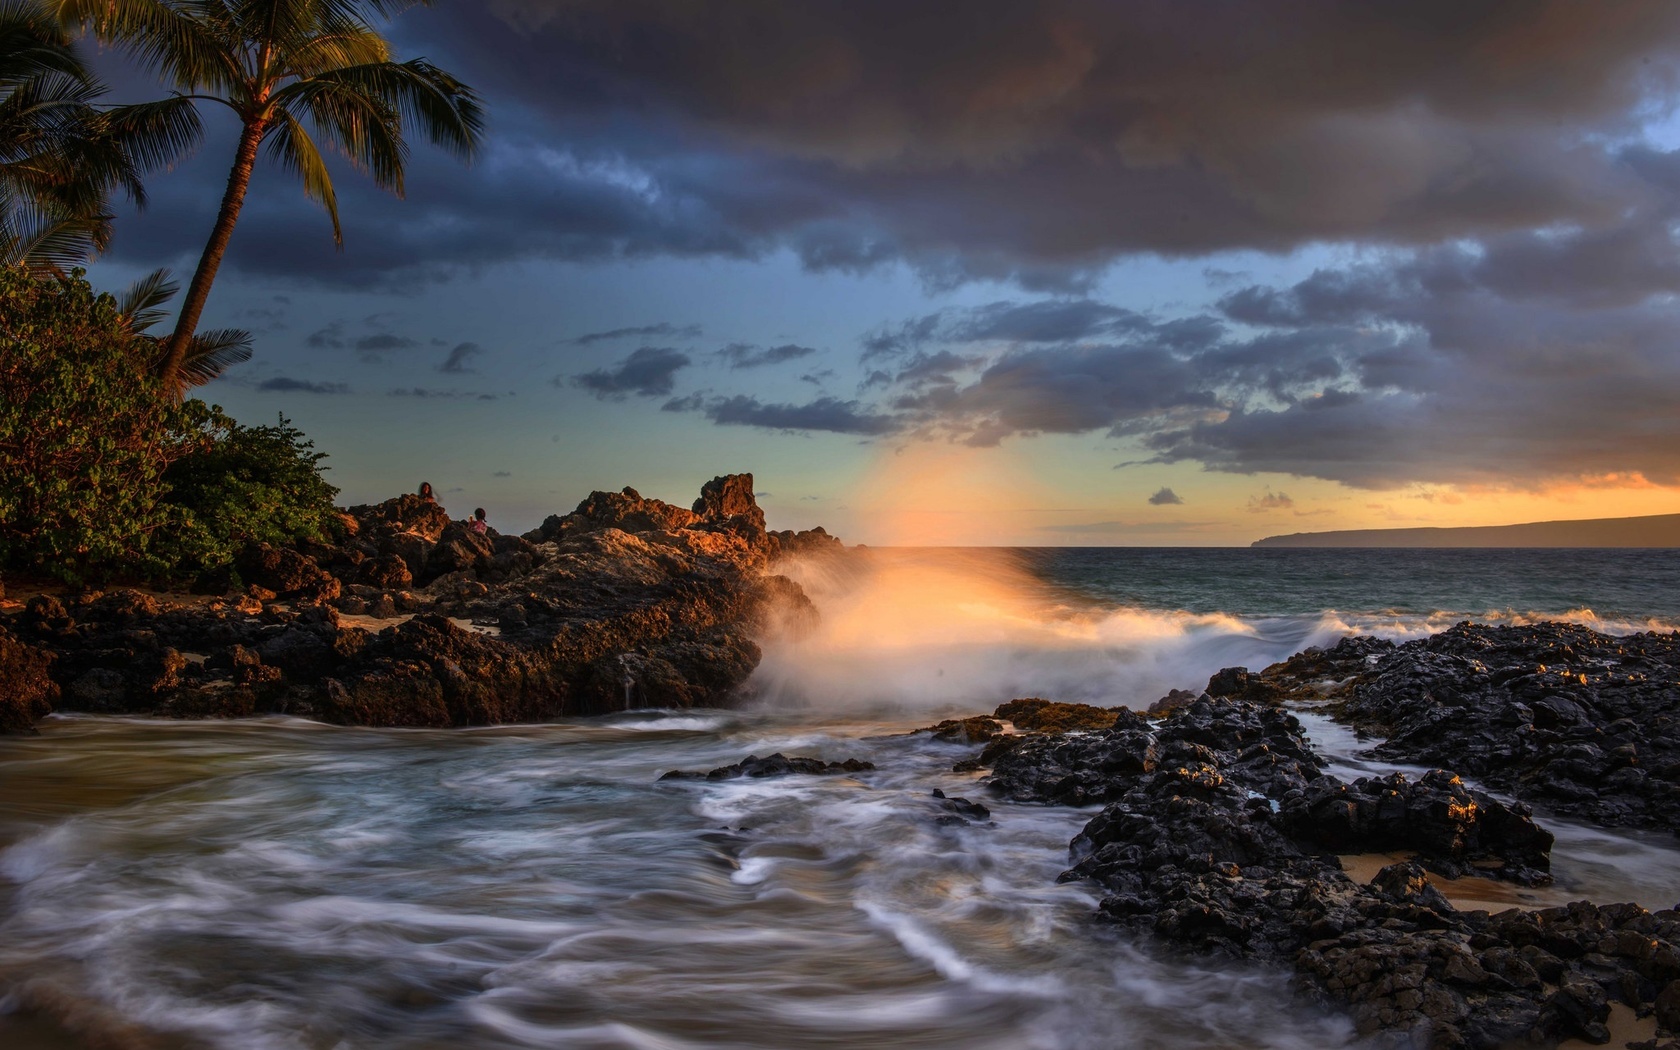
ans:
(277, 883)
(283, 884)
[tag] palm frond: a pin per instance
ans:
(143, 300)
(213, 352)
(154, 134)
(291, 147)
(193, 47)
(433, 102)
(45, 243)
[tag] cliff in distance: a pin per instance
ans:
(1655, 530)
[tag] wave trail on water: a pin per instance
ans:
(964, 629)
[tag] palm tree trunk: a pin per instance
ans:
(239, 179)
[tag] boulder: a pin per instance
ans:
(458, 549)
(387, 572)
(406, 513)
(776, 765)
(286, 572)
(27, 691)
(1049, 716)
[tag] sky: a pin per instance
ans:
(990, 272)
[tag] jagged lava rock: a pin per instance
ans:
(27, 691)
(776, 765)
(1558, 715)
(1209, 844)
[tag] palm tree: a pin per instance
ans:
(62, 155)
(278, 64)
(208, 355)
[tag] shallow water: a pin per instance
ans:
(283, 884)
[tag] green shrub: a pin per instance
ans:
(103, 475)
(232, 485)
(83, 430)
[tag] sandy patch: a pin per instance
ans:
(1625, 1027)
(1468, 894)
(375, 624)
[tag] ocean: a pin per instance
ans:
(277, 883)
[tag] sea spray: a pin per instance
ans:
(964, 629)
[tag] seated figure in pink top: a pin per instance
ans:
(477, 522)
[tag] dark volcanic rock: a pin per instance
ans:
(1436, 815)
(406, 513)
(625, 510)
(790, 544)
(959, 810)
(776, 765)
(286, 572)
(1555, 714)
(600, 618)
(27, 691)
(976, 730)
(729, 501)
(1210, 843)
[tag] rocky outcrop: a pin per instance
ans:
(1217, 837)
(625, 510)
(465, 629)
(27, 691)
(1575, 721)
(1049, 716)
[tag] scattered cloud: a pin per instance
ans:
(1164, 497)
(446, 395)
(456, 362)
(664, 329)
(649, 372)
(824, 414)
(743, 355)
(381, 342)
(302, 386)
(502, 474)
(1270, 501)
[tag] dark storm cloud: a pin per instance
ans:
(663, 328)
(456, 362)
(1164, 497)
(743, 355)
(286, 384)
(1508, 362)
(1035, 142)
(649, 372)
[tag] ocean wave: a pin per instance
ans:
(968, 629)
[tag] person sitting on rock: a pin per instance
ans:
(477, 523)
(426, 491)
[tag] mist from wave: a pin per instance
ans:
(945, 629)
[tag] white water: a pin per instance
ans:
(967, 629)
(283, 884)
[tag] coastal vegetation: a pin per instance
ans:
(105, 473)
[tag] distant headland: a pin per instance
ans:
(1655, 530)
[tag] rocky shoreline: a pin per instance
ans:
(1221, 830)
(413, 619)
